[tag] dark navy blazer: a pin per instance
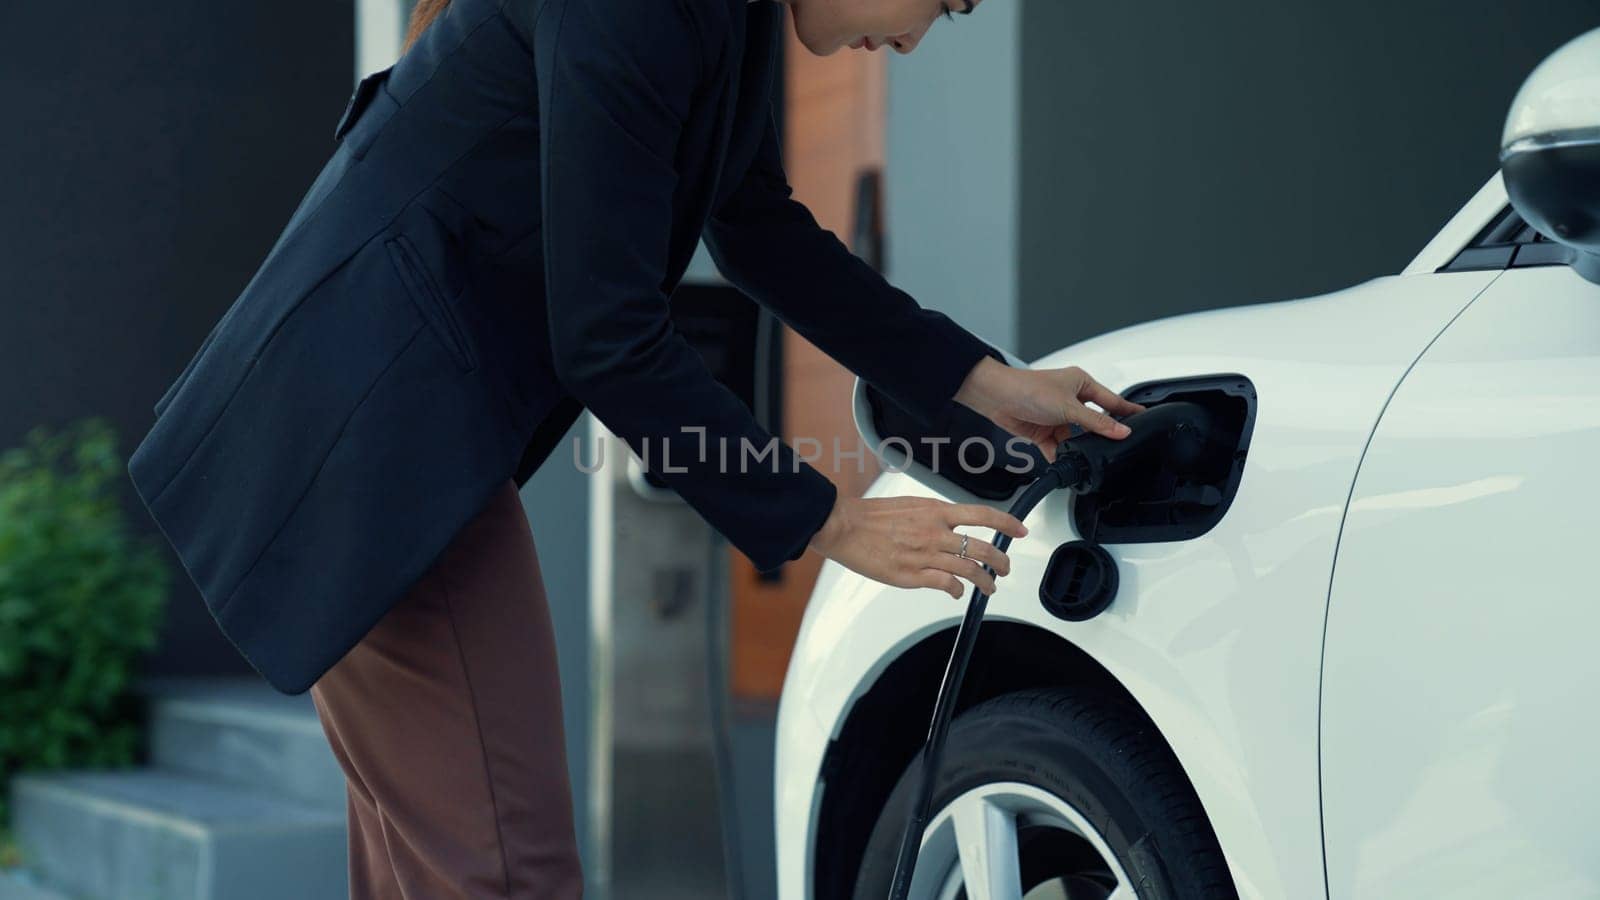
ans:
(489, 251)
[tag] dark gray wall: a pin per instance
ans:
(1178, 156)
(952, 176)
(151, 154)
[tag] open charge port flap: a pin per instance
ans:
(1167, 506)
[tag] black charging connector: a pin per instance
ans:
(1173, 436)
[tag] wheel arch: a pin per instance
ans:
(887, 724)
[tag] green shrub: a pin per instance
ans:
(80, 601)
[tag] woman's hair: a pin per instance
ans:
(423, 14)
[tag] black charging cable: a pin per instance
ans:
(1056, 476)
(1172, 434)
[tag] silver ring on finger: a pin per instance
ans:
(963, 551)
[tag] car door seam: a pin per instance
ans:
(1327, 606)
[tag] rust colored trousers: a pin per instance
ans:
(446, 719)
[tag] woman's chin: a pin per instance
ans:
(817, 45)
(821, 47)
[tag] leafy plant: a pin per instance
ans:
(80, 601)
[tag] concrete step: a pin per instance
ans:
(241, 731)
(147, 834)
(22, 884)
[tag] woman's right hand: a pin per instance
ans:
(911, 542)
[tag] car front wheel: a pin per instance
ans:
(1047, 794)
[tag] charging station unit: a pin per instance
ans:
(660, 799)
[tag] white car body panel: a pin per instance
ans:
(1458, 695)
(1219, 638)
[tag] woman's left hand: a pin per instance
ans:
(1042, 405)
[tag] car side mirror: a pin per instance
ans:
(962, 455)
(1550, 150)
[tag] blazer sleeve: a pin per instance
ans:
(771, 247)
(616, 80)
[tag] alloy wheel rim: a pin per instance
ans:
(975, 847)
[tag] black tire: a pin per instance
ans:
(1102, 758)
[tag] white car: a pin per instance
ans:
(1358, 659)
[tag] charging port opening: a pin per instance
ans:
(1167, 506)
